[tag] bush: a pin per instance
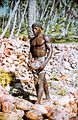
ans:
(5, 78)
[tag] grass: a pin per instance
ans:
(62, 92)
(66, 39)
(5, 78)
(0, 31)
(24, 33)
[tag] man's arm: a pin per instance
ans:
(30, 59)
(49, 47)
(30, 55)
(49, 52)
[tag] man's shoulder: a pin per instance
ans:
(46, 38)
(32, 39)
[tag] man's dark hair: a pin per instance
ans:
(37, 24)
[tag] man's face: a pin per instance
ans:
(36, 30)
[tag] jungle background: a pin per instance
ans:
(59, 18)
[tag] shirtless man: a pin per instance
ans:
(41, 49)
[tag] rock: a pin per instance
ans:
(16, 62)
(40, 108)
(7, 106)
(5, 61)
(0, 105)
(20, 113)
(76, 101)
(74, 118)
(24, 104)
(13, 56)
(50, 110)
(66, 105)
(25, 38)
(9, 116)
(10, 98)
(74, 108)
(66, 65)
(9, 60)
(56, 102)
(52, 114)
(71, 102)
(2, 92)
(75, 95)
(33, 115)
(7, 52)
(21, 57)
(6, 102)
(63, 66)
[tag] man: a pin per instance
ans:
(40, 49)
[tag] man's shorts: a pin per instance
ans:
(42, 59)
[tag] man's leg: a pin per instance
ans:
(46, 87)
(40, 87)
(36, 85)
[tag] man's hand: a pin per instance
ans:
(43, 64)
(30, 61)
(34, 64)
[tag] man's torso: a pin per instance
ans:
(38, 46)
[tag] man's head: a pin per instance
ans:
(37, 24)
(36, 28)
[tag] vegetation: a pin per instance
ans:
(5, 78)
(62, 92)
(59, 18)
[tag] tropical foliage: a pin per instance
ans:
(59, 18)
(5, 78)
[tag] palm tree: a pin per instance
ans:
(31, 16)
(12, 15)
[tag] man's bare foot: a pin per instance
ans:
(37, 102)
(47, 99)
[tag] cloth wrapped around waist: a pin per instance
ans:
(42, 59)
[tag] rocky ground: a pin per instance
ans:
(17, 97)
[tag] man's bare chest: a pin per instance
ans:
(38, 41)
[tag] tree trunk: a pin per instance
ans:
(21, 20)
(43, 14)
(52, 8)
(12, 14)
(67, 19)
(3, 25)
(31, 16)
(48, 23)
(10, 25)
(13, 26)
(68, 25)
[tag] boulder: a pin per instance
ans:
(33, 115)
(7, 106)
(24, 104)
(9, 116)
(40, 108)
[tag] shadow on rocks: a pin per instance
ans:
(17, 90)
(74, 118)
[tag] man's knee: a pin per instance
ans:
(42, 74)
